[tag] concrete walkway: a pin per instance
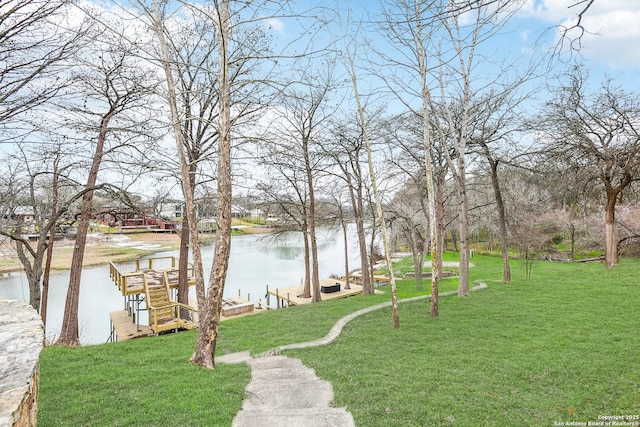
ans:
(283, 392)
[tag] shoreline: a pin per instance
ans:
(103, 248)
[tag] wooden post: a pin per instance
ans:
(277, 299)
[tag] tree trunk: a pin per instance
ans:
(439, 231)
(357, 207)
(367, 286)
(33, 271)
(436, 259)
(185, 167)
(306, 290)
(315, 277)
(47, 270)
(183, 267)
(454, 240)
(185, 239)
(417, 253)
(69, 333)
(372, 249)
(378, 200)
(463, 285)
(311, 213)
(528, 262)
(502, 220)
(347, 285)
(52, 235)
(572, 254)
(204, 352)
(463, 208)
(611, 250)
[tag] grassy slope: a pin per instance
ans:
(561, 346)
(145, 382)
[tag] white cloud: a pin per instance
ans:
(275, 24)
(612, 27)
(547, 10)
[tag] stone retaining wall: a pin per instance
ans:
(21, 341)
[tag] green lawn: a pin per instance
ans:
(560, 347)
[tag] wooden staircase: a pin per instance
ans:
(164, 314)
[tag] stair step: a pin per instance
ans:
(291, 394)
(327, 417)
(275, 362)
(273, 374)
(283, 393)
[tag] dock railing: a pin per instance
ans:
(140, 263)
(129, 278)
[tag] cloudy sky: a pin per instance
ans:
(609, 46)
(612, 37)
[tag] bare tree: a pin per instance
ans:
(529, 214)
(238, 40)
(407, 218)
(496, 124)
(298, 129)
(347, 149)
(286, 188)
(193, 51)
(350, 65)
(600, 133)
(337, 195)
(114, 91)
(193, 42)
(407, 153)
(31, 44)
(57, 170)
(42, 172)
(486, 20)
(210, 316)
(581, 8)
(408, 25)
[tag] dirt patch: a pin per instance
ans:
(103, 248)
(100, 249)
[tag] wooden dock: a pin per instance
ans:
(378, 279)
(291, 295)
(123, 329)
(235, 307)
(128, 276)
(125, 324)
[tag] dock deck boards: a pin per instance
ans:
(123, 328)
(376, 278)
(291, 293)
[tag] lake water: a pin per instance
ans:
(255, 262)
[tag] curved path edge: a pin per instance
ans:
(283, 392)
(340, 324)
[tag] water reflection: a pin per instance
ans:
(256, 261)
